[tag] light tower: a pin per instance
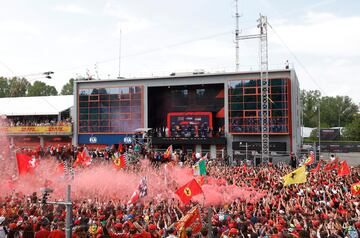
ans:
(237, 32)
(264, 78)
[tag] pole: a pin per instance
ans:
(68, 231)
(209, 222)
(119, 76)
(246, 151)
(237, 31)
(319, 130)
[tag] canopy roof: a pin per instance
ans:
(30, 106)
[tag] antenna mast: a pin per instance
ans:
(119, 76)
(237, 32)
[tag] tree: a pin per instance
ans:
(18, 87)
(352, 130)
(4, 87)
(337, 111)
(41, 89)
(334, 111)
(68, 88)
(310, 101)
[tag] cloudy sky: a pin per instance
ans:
(73, 38)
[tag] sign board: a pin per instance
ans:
(329, 134)
(37, 129)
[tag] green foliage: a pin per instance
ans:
(352, 130)
(17, 87)
(334, 111)
(68, 88)
(337, 111)
(41, 89)
(310, 100)
(4, 87)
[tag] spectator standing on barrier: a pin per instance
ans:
(293, 160)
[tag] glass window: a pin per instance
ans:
(83, 104)
(83, 98)
(106, 110)
(249, 106)
(250, 99)
(84, 110)
(236, 106)
(94, 104)
(125, 90)
(249, 91)
(85, 91)
(114, 104)
(83, 116)
(277, 90)
(245, 106)
(136, 96)
(114, 97)
(113, 90)
(104, 97)
(125, 96)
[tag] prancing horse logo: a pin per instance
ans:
(187, 191)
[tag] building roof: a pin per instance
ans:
(26, 106)
(178, 75)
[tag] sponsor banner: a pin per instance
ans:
(37, 129)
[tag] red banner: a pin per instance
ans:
(191, 219)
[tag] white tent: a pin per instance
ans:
(27, 106)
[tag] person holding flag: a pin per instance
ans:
(141, 191)
(168, 153)
(310, 159)
(200, 167)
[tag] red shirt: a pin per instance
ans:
(42, 234)
(57, 234)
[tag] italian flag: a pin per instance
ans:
(200, 168)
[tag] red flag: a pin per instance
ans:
(191, 219)
(26, 164)
(168, 152)
(310, 159)
(83, 158)
(317, 168)
(343, 169)
(244, 168)
(189, 190)
(119, 161)
(331, 165)
(355, 188)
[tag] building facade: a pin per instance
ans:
(216, 113)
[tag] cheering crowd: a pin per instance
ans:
(326, 205)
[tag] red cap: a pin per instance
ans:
(12, 226)
(233, 231)
(118, 226)
(152, 227)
